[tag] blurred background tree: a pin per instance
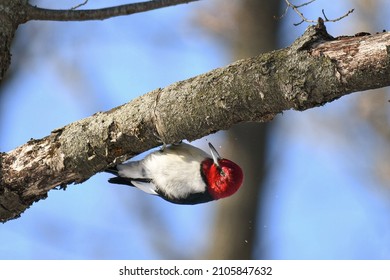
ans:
(246, 29)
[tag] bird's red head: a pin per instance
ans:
(223, 177)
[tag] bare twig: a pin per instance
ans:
(36, 13)
(303, 18)
(79, 5)
(303, 4)
(336, 19)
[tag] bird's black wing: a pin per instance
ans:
(195, 198)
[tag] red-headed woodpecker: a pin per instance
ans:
(181, 174)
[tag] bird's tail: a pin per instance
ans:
(117, 180)
(121, 181)
(112, 170)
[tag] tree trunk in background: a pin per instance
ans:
(237, 224)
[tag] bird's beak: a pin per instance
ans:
(214, 154)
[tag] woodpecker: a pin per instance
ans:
(181, 174)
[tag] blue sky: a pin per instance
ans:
(322, 201)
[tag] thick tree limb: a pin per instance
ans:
(314, 70)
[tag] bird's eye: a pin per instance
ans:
(221, 172)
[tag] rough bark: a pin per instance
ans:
(314, 70)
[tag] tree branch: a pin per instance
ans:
(15, 12)
(36, 13)
(303, 18)
(314, 70)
